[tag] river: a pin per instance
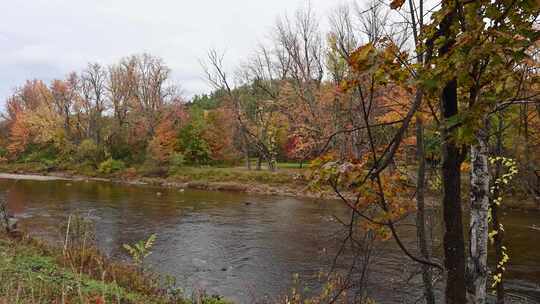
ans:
(241, 246)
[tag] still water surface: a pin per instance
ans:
(242, 246)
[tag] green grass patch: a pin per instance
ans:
(292, 165)
(24, 167)
(33, 272)
(287, 173)
(211, 174)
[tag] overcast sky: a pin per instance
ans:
(46, 39)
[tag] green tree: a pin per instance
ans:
(192, 144)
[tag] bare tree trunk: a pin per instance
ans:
(477, 271)
(271, 164)
(421, 233)
(454, 242)
(420, 213)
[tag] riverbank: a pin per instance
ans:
(32, 271)
(292, 182)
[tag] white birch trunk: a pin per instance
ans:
(479, 228)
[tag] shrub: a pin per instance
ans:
(3, 155)
(88, 151)
(129, 173)
(140, 250)
(119, 148)
(44, 155)
(151, 168)
(111, 165)
(176, 162)
(85, 169)
(39, 153)
(177, 159)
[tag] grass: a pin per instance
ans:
(29, 167)
(30, 272)
(235, 174)
(34, 272)
(281, 164)
(29, 275)
(292, 165)
(285, 174)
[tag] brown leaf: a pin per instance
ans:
(396, 4)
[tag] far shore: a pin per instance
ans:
(298, 190)
(292, 190)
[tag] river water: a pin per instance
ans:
(241, 246)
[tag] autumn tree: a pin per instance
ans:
(63, 93)
(472, 49)
(93, 99)
(151, 90)
(162, 146)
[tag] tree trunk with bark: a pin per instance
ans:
(477, 270)
(420, 213)
(271, 164)
(454, 243)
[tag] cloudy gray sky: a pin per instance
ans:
(46, 39)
